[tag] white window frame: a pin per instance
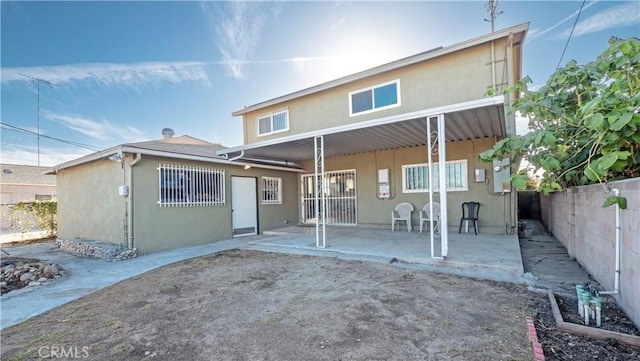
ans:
(270, 182)
(464, 177)
(199, 186)
(372, 89)
(271, 116)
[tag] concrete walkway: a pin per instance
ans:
(547, 263)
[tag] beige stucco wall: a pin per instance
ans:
(158, 228)
(577, 219)
(89, 205)
(454, 78)
(88, 202)
(494, 211)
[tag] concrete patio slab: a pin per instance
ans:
(487, 256)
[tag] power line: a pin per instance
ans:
(570, 34)
(27, 131)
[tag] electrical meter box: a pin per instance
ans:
(383, 184)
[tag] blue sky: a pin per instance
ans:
(122, 71)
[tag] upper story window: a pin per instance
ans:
(275, 122)
(375, 98)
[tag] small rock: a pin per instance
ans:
(50, 271)
(34, 284)
(42, 279)
(3, 284)
(26, 276)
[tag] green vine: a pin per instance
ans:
(45, 214)
(584, 123)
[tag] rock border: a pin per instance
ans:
(630, 340)
(25, 273)
(94, 249)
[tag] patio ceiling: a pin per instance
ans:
(478, 122)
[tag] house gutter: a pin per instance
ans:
(128, 149)
(130, 240)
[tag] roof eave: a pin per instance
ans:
(135, 150)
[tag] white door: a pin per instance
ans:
(244, 206)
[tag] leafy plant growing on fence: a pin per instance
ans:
(584, 123)
(41, 214)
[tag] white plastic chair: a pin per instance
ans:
(425, 216)
(402, 213)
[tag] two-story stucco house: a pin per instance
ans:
(383, 136)
(342, 153)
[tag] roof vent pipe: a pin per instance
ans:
(167, 133)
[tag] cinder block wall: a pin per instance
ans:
(578, 220)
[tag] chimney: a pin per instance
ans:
(167, 133)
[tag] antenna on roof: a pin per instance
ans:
(38, 80)
(491, 9)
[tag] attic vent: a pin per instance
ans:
(167, 133)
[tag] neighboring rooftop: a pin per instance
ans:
(25, 174)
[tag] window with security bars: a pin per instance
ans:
(271, 190)
(415, 177)
(273, 123)
(186, 186)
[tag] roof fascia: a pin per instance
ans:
(504, 33)
(128, 149)
(479, 103)
(86, 159)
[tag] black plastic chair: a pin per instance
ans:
(470, 211)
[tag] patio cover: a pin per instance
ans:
(469, 120)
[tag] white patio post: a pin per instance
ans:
(442, 167)
(442, 156)
(430, 178)
(319, 182)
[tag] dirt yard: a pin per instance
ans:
(244, 305)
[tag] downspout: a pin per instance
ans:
(616, 285)
(130, 202)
